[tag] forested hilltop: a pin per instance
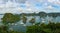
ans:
(41, 13)
(10, 19)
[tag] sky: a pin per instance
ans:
(29, 6)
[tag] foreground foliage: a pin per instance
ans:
(44, 28)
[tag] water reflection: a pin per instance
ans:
(24, 25)
(37, 20)
(20, 25)
(11, 29)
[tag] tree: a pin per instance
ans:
(54, 15)
(10, 18)
(3, 29)
(32, 20)
(24, 19)
(42, 14)
(44, 28)
(52, 26)
(35, 29)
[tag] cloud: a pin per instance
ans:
(51, 1)
(18, 1)
(57, 2)
(9, 7)
(49, 7)
(28, 6)
(13, 7)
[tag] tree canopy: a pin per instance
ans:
(10, 18)
(24, 19)
(44, 28)
(32, 20)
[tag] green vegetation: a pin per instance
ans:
(4, 29)
(42, 14)
(37, 28)
(44, 28)
(32, 20)
(24, 19)
(10, 18)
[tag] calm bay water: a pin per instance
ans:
(19, 25)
